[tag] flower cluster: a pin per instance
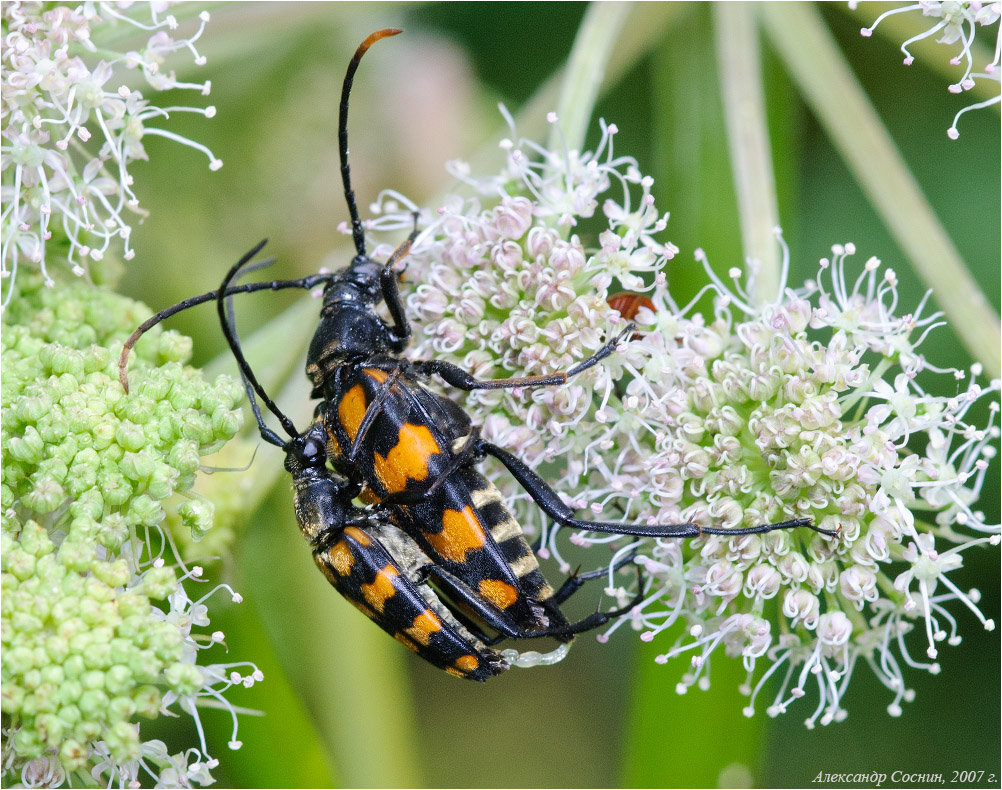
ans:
(808, 406)
(98, 626)
(71, 125)
(958, 21)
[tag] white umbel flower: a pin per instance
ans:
(71, 126)
(957, 22)
(816, 404)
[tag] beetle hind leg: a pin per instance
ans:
(595, 619)
(575, 581)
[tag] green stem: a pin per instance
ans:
(845, 112)
(739, 64)
(647, 23)
(584, 72)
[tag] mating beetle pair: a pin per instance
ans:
(435, 558)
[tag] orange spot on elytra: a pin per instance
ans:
(340, 558)
(499, 593)
(408, 460)
(362, 608)
(358, 536)
(406, 641)
(376, 373)
(351, 410)
(381, 589)
(466, 663)
(425, 624)
(461, 533)
(325, 568)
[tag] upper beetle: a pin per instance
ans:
(412, 452)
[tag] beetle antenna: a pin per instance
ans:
(251, 383)
(275, 285)
(266, 433)
(357, 233)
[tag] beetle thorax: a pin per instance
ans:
(350, 330)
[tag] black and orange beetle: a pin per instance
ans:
(415, 451)
(374, 564)
(412, 456)
(369, 560)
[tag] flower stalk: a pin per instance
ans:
(743, 97)
(585, 70)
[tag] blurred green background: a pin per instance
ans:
(343, 704)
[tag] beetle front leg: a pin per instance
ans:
(459, 378)
(576, 581)
(594, 620)
(401, 330)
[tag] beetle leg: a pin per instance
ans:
(602, 353)
(401, 331)
(576, 580)
(596, 619)
(554, 507)
(411, 237)
(457, 590)
(459, 378)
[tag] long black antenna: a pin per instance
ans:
(250, 380)
(357, 233)
(266, 433)
(275, 285)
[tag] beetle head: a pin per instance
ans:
(306, 454)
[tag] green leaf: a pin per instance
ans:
(699, 739)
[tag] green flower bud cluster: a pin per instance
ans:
(206, 525)
(89, 632)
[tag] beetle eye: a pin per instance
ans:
(313, 451)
